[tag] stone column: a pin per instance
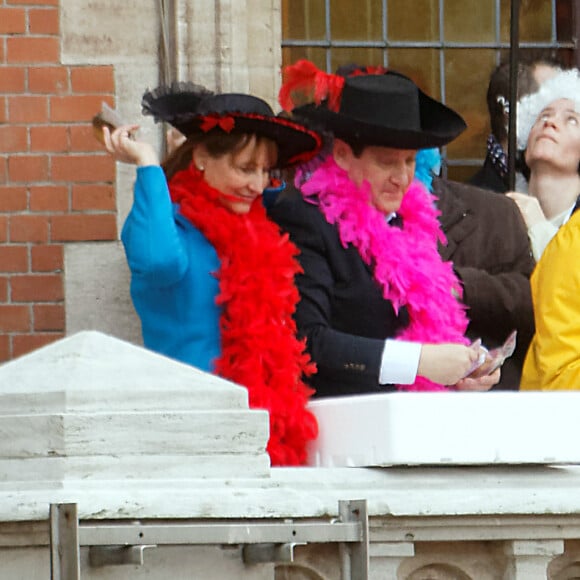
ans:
(231, 45)
(529, 559)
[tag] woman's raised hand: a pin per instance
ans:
(122, 145)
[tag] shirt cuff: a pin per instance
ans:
(400, 362)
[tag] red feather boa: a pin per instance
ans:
(257, 292)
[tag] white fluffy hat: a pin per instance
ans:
(564, 85)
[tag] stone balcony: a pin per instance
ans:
(156, 454)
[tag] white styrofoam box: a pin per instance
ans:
(446, 429)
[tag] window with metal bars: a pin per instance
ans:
(449, 47)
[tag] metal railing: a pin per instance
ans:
(120, 543)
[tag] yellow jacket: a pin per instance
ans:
(553, 359)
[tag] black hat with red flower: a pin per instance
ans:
(370, 107)
(194, 110)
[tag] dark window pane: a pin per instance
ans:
(466, 77)
(469, 21)
(303, 20)
(420, 64)
(360, 20)
(413, 20)
(535, 20)
(564, 20)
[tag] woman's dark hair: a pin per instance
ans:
(498, 95)
(216, 143)
(522, 166)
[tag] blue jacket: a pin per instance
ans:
(173, 285)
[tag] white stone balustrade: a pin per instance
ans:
(140, 441)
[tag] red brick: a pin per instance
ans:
(49, 198)
(75, 108)
(37, 288)
(82, 168)
(12, 20)
(3, 229)
(43, 21)
(32, 49)
(24, 343)
(47, 258)
(13, 198)
(28, 109)
(3, 105)
(28, 228)
(14, 318)
(49, 138)
(27, 168)
(13, 258)
(3, 288)
(4, 348)
(2, 50)
(13, 139)
(3, 169)
(95, 197)
(12, 79)
(48, 80)
(72, 228)
(48, 317)
(93, 79)
(82, 139)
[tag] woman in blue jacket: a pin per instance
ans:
(212, 276)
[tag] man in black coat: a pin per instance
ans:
(378, 306)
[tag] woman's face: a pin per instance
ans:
(555, 138)
(389, 172)
(240, 176)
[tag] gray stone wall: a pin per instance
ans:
(227, 45)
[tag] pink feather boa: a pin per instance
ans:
(421, 281)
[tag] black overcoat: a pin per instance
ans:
(342, 312)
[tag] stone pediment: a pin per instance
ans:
(91, 371)
(92, 406)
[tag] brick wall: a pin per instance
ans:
(56, 184)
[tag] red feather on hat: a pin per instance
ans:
(369, 70)
(305, 83)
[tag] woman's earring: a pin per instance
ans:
(202, 168)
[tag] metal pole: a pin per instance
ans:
(64, 542)
(513, 97)
(355, 556)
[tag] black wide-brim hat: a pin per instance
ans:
(193, 110)
(386, 110)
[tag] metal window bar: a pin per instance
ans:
(113, 543)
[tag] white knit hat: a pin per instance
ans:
(564, 85)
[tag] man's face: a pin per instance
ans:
(389, 172)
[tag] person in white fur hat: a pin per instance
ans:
(548, 123)
(549, 128)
